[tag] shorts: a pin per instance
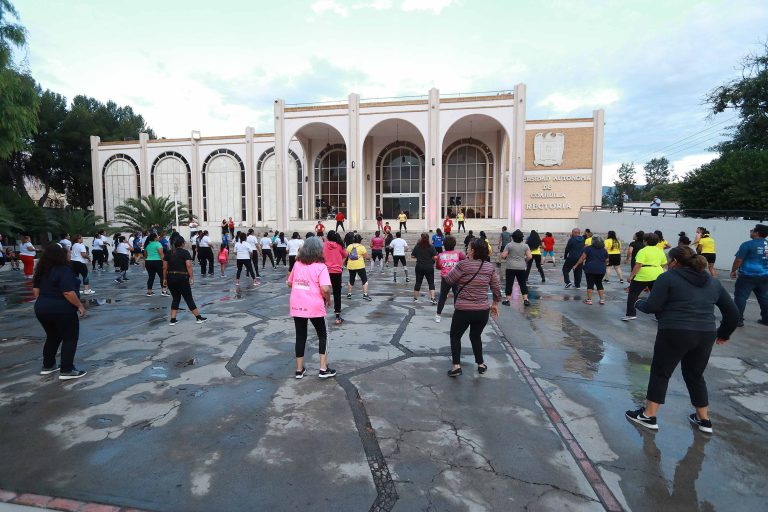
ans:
(544, 254)
(398, 258)
(361, 272)
(710, 257)
(376, 254)
(614, 260)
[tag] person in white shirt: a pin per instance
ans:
(80, 261)
(281, 249)
(27, 253)
(294, 244)
(253, 243)
(243, 252)
(64, 242)
(205, 254)
(97, 247)
(122, 257)
(266, 251)
(399, 246)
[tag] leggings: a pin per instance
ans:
(81, 269)
(340, 224)
(444, 289)
(179, 287)
(387, 254)
(403, 227)
(267, 253)
(461, 225)
(154, 267)
(291, 261)
(97, 258)
(280, 253)
(476, 321)
(29, 264)
(594, 281)
(336, 285)
(511, 275)
(301, 333)
(635, 287)
(61, 329)
(536, 258)
(690, 349)
(255, 261)
(421, 273)
(248, 268)
(206, 260)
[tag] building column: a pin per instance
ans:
(97, 177)
(515, 215)
(434, 163)
(598, 117)
(251, 201)
(197, 180)
(281, 166)
(145, 185)
(355, 167)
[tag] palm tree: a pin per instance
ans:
(11, 34)
(78, 221)
(140, 214)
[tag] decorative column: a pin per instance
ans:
(197, 178)
(515, 216)
(145, 186)
(281, 166)
(251, 201)
(96, 176)
(355, 169)
(598, 117)
(434, 163)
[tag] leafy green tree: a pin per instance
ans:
(140, 214)
(736, 180)
(657, 171)
(7, 224)
(748, 96)
(12, 34)
(78, 221)
(24, 212)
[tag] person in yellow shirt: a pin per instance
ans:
(356, 257)
(662, 244)
(460, 220)
(706, 247)
(649, 265)
(403, 219)
(613, 246)
(587, 237)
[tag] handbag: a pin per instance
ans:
(456, 295)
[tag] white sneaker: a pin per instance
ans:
(88, 292)
(437, 319)
(628, 318)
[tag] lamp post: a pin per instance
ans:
(176, 202)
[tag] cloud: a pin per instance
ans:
(565, 103)
(436, 6)
(340, 8)
(323, 6)
(691, 162)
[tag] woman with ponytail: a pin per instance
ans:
(683, 300)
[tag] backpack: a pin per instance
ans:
(353, 254)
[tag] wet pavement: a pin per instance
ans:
(209, 417)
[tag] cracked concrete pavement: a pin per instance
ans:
(208, 417)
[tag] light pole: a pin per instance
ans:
(176, 202)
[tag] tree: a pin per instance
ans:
(83, 222)
(11, 34)
(747, 95)
(140, 214)
(736, 180)
(24, 212)
(657, 171)
(7, 224)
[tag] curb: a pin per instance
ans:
(52, 503)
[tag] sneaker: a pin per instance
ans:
(338, 320)
(48, 371)
(73, 374)
(588, 302)
(201, 320)
(118, 280)
(415, 299)
(740, 324)
(433, 302)
(407, 280)
(165, 293)
(454, 373)
(568, 285)
(505, 303)
(601, 302)
(621, 281)
(640, 418)
(606, 280)
(704, 425)
(526, 302)
(300, 373)
(349, 295)
(437, 319)
(88, 292)
(327, 373)
(126, 279)
(543, 280)
(149, 294)
(367, 297)
(577, 287)
(628, 318)
(394, 280)
(173, 321)
(482, 369)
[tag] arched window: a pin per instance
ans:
(400, 180)
(266, 186)
(468, 179)
(120, 181)
(171, 173)
(224, 192)
(331, 181)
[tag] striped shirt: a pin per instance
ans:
(473, 295)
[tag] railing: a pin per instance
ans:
(758, 215)
(403, 98)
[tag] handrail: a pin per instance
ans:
(701, 213)
(396, 98)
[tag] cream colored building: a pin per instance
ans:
(428, 156)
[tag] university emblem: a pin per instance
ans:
(548, 148)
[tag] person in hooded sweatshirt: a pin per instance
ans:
(573, 250)
(683, 300)
(334, 255)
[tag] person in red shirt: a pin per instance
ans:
(340, 221)
(319, 229)
(231, 228)
(447, 225)
(387, 229)
(548, 246)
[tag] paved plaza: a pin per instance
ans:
(209, 417)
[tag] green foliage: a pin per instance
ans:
(18, 110)
(83, 222)
(11, 34)
(747, 95)
(140, 214)
(736, 180)
(666, 191)
(24, 212)
(657, 171)
(625, 182)
(7, 224)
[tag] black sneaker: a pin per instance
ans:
(367, 297)
(126, 279)
(454, 373)
(73, 374)
(704, 425)
(349, 295)
(173, 321)
(407, 280)
(641, 419)
(526, 302)
(48, 371)
(433, 302)
(300, 373)
(481, 369)
(327, 373)
(505, 303)
(568, 285)
(201, 320)
(118, 280)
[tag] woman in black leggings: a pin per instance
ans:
(683, 300)
(179, 278)
(534, 242)
(281, 250)
(243, 253)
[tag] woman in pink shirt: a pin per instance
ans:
(446, 260)
(310, 287)
(334, 254)
(377, 251)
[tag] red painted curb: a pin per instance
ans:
(63, 504)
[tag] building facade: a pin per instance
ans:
(428, 156)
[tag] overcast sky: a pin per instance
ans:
(218, 66)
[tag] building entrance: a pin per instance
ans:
(391, 206)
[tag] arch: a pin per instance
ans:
(331, 180)
(390, 120)
(224, 192)
(399, 179)
(124, 178)
(468, 179)
(266, 163)
(161, 170)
